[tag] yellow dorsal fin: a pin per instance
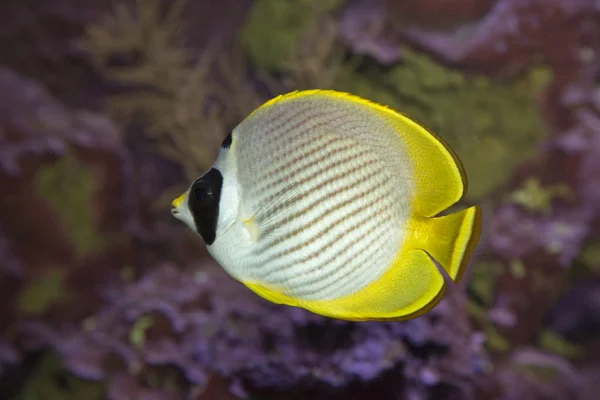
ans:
(439, 177)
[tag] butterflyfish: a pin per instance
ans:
(324, 200)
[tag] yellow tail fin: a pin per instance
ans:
(452, 240)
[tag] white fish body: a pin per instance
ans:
(317, 202)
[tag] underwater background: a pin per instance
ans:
(108, 109)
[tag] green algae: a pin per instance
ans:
(69, 187)
(556, 344)
(127, 273)
(483, 280)
(517, 269)
(89, 324)
(49, 381)
(137, 335)
(165, 380)
(476, 310)
(491, 124)
(538, 372)
(482, 285)
(41, 293)
(542, 282)
(535, 197)
(495, 341)
(274, 28)
(590, 256)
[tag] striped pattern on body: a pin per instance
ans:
(330, 187)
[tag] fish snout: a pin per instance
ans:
(176, 204)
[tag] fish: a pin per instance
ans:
(334, 203)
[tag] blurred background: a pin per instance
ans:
(110, 108)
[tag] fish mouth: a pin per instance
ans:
(176, 204)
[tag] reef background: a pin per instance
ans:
(109, 108)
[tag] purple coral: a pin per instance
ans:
(363, 26)
(513, 232)
(516, 233)
(589, 175)
(10, 265)
(9, 355)
(238, 335)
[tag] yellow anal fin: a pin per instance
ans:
(271, 294)
(409, 288)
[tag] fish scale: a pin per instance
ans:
(317, 231)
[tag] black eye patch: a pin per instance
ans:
(203, 203)
(227, 141)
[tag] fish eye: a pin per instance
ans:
(203, 192)
(203, 203)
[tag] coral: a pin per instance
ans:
(167, 89)
(576, 316)
(317, 60)
(496, 45)
(483, 278)
(364, 29)
(41, 293)
(39, 137)
(9, 355)
(590, 256)
(493, 43)
(590, 168)
(211, 324)
(36, 132)
(482, 119)
(537, 198)
(69, 188)
(10, 265)
(515, 234)
(558, 345)
(517, 269)
(530, 373)
(36, 40)
(291, 20)
(543, 247)
(437, 14)
(126, 387)
(49, 381)
(49, 133)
